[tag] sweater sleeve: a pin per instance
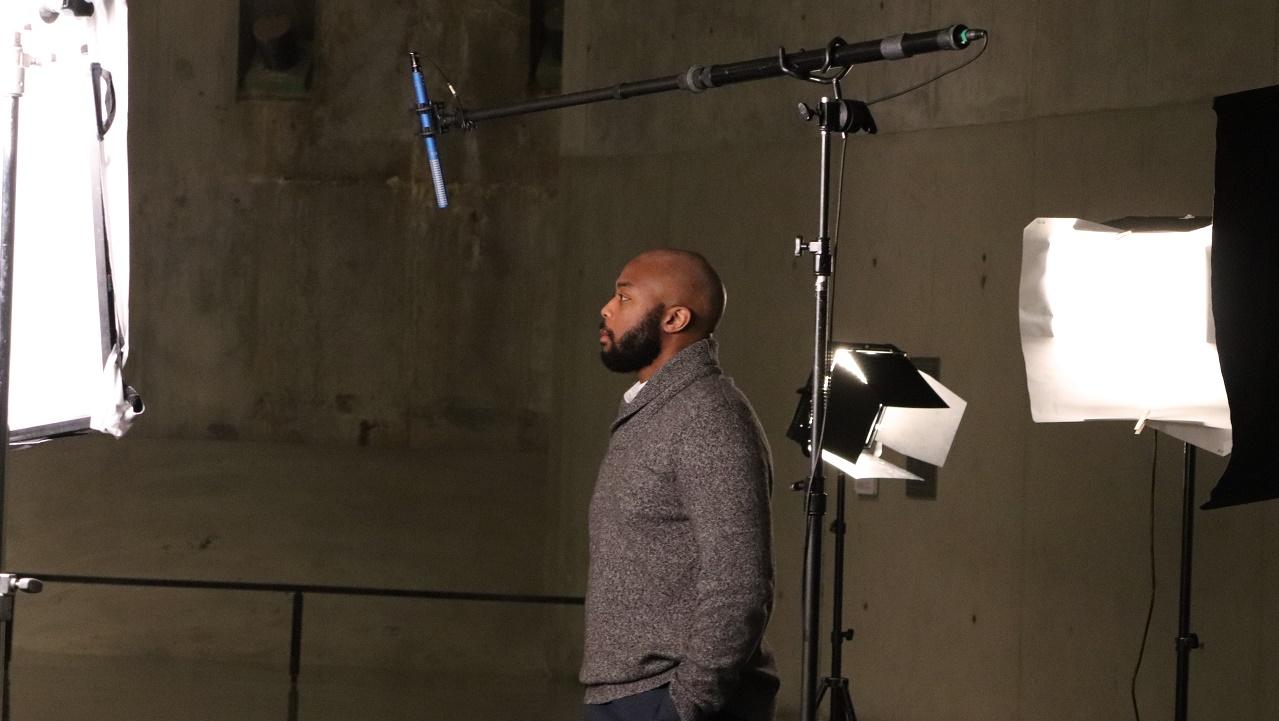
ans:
(724, 477)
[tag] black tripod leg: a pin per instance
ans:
(1187, 640)
(6, 628)
(850, 714)
(841, 700)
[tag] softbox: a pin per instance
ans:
(71, 238)
(1116, 324)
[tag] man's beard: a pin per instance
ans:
(638, 347)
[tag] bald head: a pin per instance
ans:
(685, 279)
(664, 300)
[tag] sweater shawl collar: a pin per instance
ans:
(698, 360)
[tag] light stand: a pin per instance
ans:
(1187, 640)
(875, 398)
(8, 187)
(814, 493)
(833, 116)
(841, 698)
(1168, 376)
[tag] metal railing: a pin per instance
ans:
(298, 592)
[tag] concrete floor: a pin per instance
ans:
(76, 688)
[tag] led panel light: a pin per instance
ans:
(877, 398)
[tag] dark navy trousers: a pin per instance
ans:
(654, 705)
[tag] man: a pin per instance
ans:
(681, 575)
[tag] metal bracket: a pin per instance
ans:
(15, 75)
(428, 109)
(10, 582)
(1190, 642)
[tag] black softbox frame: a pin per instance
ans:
(1245, 290)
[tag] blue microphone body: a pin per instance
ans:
(432, 152)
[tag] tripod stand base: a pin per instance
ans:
(841, 699)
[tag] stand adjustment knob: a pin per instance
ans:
(10, 583)
(814, 247)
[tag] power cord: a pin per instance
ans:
(1150, 608)
(985, 43)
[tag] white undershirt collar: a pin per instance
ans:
(633, 391)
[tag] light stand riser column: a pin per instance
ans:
(1186, 641)
(815, 495)
(8, 195)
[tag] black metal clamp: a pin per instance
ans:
(816, 76)
(428, 109)
(841, 116)
(444, 117)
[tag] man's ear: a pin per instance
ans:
(677, 318)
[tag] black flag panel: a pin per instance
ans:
(1245, 290)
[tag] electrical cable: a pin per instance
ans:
(447, 83)
(1150, 609)
(985, 43)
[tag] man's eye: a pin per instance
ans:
(622, 297)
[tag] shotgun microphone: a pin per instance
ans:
(426, 112)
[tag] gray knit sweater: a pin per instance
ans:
(681, 575)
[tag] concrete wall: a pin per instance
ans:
(288, 254)
(274, 513)
(1021, 591)
(347, 386)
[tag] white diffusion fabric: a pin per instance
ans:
(1118, 325)
(69, 340)
(923, 433)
